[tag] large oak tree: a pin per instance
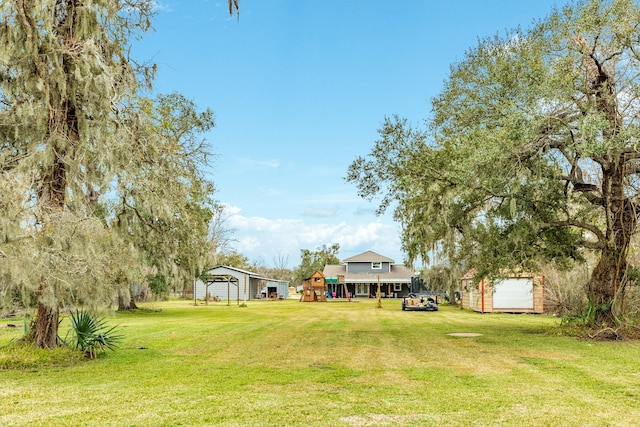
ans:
(98, 185)
(531, 154)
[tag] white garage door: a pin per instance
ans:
(513, 293)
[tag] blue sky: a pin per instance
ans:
(299, 89)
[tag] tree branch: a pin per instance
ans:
(628, 171)
(600, 244)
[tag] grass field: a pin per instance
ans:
(286, 363)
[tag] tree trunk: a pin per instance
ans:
(607, 280)
(453, 289)
(52, 193)
(126, 301)
(45, 328)
(125, 304)
(603, 287)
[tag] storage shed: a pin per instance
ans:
(511, 293)
(275, 289)
(230, 283)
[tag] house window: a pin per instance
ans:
(362, 289)
(397, 287)
(376, 266)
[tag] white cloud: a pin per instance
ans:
(231, 210)
(261, 238)
(248, 243)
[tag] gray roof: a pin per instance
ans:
(219, 270)
(369, 256)
(332, 270)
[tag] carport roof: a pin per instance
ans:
(216, 271)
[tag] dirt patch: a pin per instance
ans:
(464, 334)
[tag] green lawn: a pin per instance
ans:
(286, 363)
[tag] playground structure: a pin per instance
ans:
(314, 288)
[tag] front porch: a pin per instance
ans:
(368, 289)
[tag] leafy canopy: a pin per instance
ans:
(100, 185)
(310, 261)
(531, 153)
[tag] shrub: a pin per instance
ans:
(92, 334)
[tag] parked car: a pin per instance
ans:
(420, 302)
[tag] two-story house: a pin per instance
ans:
(360, 275)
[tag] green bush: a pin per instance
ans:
(92, 335)
(158, 285)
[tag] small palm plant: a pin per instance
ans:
(92, 335)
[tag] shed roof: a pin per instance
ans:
(469, 274)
